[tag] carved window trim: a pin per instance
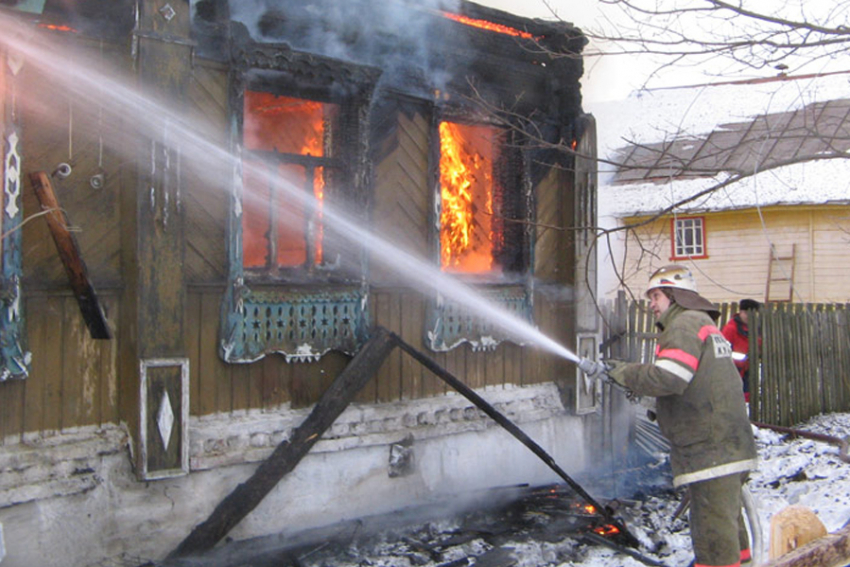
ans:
(307, 311)
(449, 324)
(14, 357)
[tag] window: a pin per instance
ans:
(689, 238)
(295, 287)
(483, 222)
(288, 146)
(481, 216)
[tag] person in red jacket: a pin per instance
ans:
(737, 332)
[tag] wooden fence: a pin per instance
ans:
(799, 369)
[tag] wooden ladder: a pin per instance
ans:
(780, 270)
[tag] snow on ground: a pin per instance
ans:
(804, 472)
(791, 471)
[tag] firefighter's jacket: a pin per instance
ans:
(699, 408)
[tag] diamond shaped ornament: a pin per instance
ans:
(165, 419)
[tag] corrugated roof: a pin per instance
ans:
(815, 131)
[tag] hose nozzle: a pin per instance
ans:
(593, 368)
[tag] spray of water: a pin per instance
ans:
(152, 119)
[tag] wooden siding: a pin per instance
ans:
(739, 252)
(549, 249)
(216, 386)
(71, 133)
(268, 383)
(73, 380)
(76, 381)
(207, 204)
(402, 205)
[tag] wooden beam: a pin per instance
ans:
(289, 453)
(69, 253)
(831, 550)
(518, 433)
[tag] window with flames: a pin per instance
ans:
(289, 151)
(480, 201)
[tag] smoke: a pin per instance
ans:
(394, 36)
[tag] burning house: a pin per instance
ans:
(212, 209)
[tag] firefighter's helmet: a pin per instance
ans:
(683, 288)
(674, 276)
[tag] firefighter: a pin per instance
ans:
(737, 332)
(701, 412)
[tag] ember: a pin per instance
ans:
(57, 27)
(508, 523)
(466, 189)
(606, 530)
(489, 26)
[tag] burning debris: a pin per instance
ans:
(510, 527)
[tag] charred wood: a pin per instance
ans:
(591, 537)
(842, 444)
(497, 557)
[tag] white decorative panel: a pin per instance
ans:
(163, 418)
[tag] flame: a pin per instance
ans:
(607, 530)
(287, 126)
(486, 25)
(465, 180)
(57, 27)
(586, 508)
(314, 146)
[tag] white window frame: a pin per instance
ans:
(682, 227)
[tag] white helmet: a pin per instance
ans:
(673, 276)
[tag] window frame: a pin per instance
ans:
(308, 272)
(520, 266)
(674, 239)
(299, 313)
(449, 324)
(15, 358)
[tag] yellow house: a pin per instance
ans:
(746, 183)
(778, 253)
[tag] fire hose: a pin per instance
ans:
(509, 426)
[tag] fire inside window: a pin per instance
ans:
(469, 231)
(288, 150)
(689, 238)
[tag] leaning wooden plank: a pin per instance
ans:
(69, 253)
(289, 453)
(831, 550)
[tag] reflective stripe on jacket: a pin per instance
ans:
(700, 408)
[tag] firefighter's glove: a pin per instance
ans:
(616, 370)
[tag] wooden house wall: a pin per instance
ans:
(71, 130)
(73, 380)
(553, 243)
(207, 205)
(76, 381)
(739, 252)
